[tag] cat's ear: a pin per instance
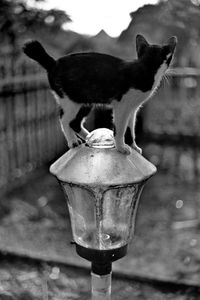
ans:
(141, 45)
(171, 43)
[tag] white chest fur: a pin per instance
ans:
(158, 76)
(138, 97)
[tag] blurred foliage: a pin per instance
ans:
(157, 22)
(16, 17)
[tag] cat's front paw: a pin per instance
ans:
(124, 149)
(138, 149)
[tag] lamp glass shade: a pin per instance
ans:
(102, 218)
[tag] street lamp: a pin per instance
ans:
(102, 188)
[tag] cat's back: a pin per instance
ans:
(95, 75)
(88, 58)
(93, 65)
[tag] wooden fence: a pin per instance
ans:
(29, 131)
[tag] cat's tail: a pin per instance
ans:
(35, 50)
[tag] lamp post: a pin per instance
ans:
(102, 188)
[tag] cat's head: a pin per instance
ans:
(155, 56)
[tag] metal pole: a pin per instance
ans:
(101, 286)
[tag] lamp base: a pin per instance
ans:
(101, 286)
(101, 259)
(102, 256)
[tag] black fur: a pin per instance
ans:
(76, 123)
(34, 50)
(81, 76)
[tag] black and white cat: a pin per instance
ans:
(82, 80)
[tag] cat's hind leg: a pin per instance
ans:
(77, 123)
(121, 113)
(69, 110)
(131, 126)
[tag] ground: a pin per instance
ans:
(31, 280)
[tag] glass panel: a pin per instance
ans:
(119, 212)
(81, 204)
(102, 219)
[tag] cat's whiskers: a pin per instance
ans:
(166, 78)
